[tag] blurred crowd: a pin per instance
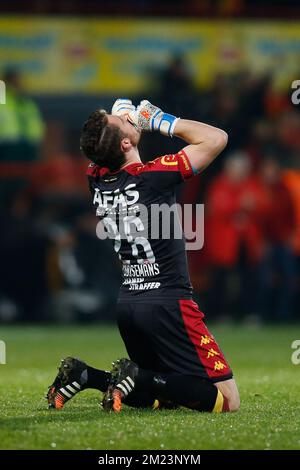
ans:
(250, 264)
(53, 266)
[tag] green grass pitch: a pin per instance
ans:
(261, 358)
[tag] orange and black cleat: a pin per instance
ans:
(71, 378)
(122, 383)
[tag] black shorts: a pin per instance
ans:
(171, 336)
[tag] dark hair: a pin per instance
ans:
(101, 142)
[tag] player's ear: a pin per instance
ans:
(126, 145)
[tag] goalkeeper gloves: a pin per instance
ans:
(122, 106)
(148, 117)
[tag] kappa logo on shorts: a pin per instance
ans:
(205, 340)
(212, 352)
(219, 365)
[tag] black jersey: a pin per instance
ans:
(154, 263)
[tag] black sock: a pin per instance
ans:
(144, 380)
(185, 390)
(97, 378)
(140, 399)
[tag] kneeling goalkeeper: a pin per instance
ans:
(174, 359)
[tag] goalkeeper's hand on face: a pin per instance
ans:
(148, 117)
(122, 107)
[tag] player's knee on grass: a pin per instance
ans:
(219, 404)
(192, 392)
(234, 402)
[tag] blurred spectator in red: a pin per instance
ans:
(276, 102)
(291, 178)
(288, 131)
(235, 205)
(277, 270)
(58, 180)
(61, 176)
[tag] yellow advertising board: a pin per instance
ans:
(123, 56)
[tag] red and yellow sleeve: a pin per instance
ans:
(177, 162)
